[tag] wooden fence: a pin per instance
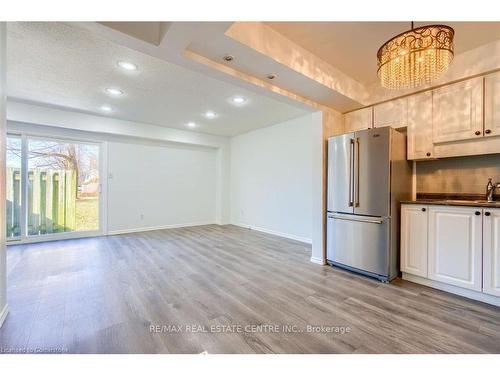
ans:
(13, 202)
(51, 202)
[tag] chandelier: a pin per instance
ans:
(415, 57)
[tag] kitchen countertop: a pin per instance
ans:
(455, 202)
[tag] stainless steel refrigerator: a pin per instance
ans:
(368, 175)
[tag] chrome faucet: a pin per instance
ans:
(490, 189)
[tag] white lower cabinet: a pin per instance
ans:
(491, 251)
(453, 248)
(455, 244)
(414, 240)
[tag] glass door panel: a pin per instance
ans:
(13, 188)
(63, 187)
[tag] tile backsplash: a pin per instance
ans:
(468, 174)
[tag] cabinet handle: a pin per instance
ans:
(428, 154)
(477, 132)
(487, 131)
(423, 209)
(477, 213)
(487, 213)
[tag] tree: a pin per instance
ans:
(55, 155)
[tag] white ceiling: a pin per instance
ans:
(66, 66)
(215, 45)
(352, 46)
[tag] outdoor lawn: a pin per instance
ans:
(87, 214)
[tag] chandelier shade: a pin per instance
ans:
(415, 57)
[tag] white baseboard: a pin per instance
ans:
(318, 261)
(3, 314)
(159, 227)
(275, 233)
(472, 294)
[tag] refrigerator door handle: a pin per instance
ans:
(356, 176)
(351, 172)
(356, 218)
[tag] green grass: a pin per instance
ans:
(87, 214)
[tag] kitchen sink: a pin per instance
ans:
(481, 201)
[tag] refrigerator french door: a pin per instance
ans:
(359, 228)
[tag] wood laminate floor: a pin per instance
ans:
(222, 289)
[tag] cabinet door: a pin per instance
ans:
(414, 239)
(491, 251)
(455, 239)
(420, 145)
(393, 113)
(492, 105)
(458, 111)
(358, 120)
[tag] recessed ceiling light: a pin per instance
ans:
(271, 76)
(114, 91)
(191, 124)
(228, 58)
(127, 65)
(238, 99)
(210, 114)
(106, 108)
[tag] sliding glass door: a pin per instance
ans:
(60, 183)
(13, 189)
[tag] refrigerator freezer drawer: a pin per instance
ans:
(359, 242)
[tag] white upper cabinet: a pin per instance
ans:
(414, 239)
(492, 104)
(458, 111)
(455, 239)
(358, 120)
(420, 144)
(491, 251)
(393, 113)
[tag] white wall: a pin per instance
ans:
(318, 235)
(72, 120)
(271, 178)
(169, 186)
(3, 271)
(273, 175)
(57, 122)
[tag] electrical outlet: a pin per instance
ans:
(110, 175)
(142, 216)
